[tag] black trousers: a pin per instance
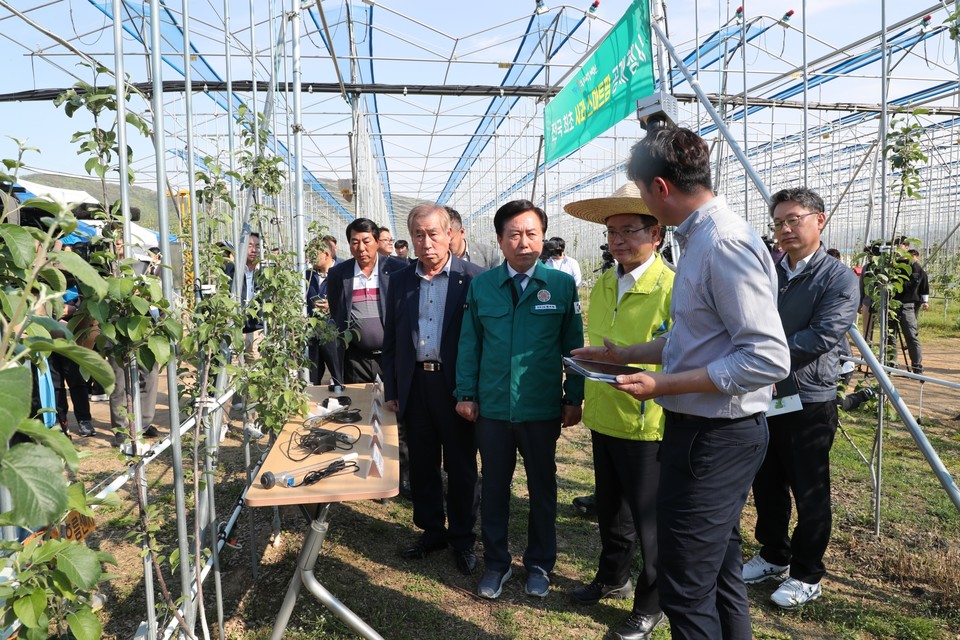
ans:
(797, 462)
(437, 437)
(627, 474)
(323, 359)
(499, 442)
(66, 373)
(360, 365)
(706, 467)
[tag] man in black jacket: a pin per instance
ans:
(357, 293)
(915, 293)
(425, 310)
(817, 304)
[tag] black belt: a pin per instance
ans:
(430, 365)
(688, 419)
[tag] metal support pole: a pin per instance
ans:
(183, 539)
(717, 120)
(916, 432)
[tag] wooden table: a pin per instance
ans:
(339, 488)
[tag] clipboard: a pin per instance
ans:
(786, 397)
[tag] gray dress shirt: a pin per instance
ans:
(724, 311)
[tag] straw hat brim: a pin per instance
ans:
(599, 209)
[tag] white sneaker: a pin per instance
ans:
(793, 593)
(758, 570)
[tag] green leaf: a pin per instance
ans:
(54, 278)
(51, 326)
(160, 347)
(35, 477)
(20, 244)
(81, 269)
(141, 305)
(138, 328)
(84, 625)
(90, 361)
(145, 357)
(53, 439)
(80, 564)
(120, 288)
(29, 608)
(15, 384)
(47, 551)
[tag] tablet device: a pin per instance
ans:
(599, 371)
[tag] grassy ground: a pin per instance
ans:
(902, 584)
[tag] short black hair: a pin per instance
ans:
(514, 208)
(454, 216)
(362, 225)
(834, 252)
(401, 244)
(803, 196)
(381, 231)
(672, 153)
(329, 240)
(560, 244)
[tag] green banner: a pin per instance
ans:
(606, 89)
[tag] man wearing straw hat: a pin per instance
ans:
(628, 304)
(725, 350)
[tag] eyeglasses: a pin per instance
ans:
(792, 221)
(626, 234)
(385, 240)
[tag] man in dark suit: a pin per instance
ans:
(322, 355)
(357, 293)
(422, 330)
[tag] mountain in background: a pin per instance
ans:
(140, 197)
(146, 199)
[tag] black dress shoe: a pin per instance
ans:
(422, 548)
(466, 561)
(638, 626)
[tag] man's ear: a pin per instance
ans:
(660, 187)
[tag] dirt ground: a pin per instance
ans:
(364, 537)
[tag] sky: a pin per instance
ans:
(41, 125)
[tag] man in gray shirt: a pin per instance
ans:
(725, 350)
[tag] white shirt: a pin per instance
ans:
(526, 281)
(625, 281)
(567, 265)
(801, 265)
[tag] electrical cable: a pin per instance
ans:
(335, 468)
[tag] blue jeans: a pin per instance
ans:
(706, 468)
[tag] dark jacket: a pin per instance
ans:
(817, 309)
(401, 328)
(251, 323)
(340, 290)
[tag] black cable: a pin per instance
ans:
(335, 468)
(316, 440)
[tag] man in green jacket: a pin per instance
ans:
(629, 304)
(520, 320)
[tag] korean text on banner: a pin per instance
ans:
(606, 89)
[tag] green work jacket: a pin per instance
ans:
(510, 355)
(641, 315)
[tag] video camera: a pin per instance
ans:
(551, 249)
(608, 261)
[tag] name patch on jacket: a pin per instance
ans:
(545, 307)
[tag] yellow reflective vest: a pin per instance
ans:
(642, 314)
